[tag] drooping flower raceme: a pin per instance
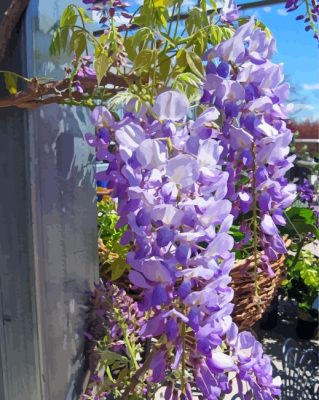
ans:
(306, 192)
(249, 91)
(166, 173)
(310, 16)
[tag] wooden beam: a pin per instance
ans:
(8, 23)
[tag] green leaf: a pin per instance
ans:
(189, 78)
(84, 15)
(59, 41)
(195, 63)
(160, 3)
(101, 64)
(55, 45)
(162, 16)
(303, 220)
(169, 39)
(109, 357)
(179, 86)
(64, 34)
(264, 28)
(101, 48)
(118, 269)
(164, 65)
(310, 277)
(194, 21)
(129, 48)
(68, 17)
(236, 233)
(227, 33)
(142, 38)
(200, 43)
(151, 16)
(181, 62)
(78, 43)
(216, 35)
(145, 59)
(203, 6)
(120, 99)
(11, 81)
(123, 375)
(214, 5)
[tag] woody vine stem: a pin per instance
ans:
(255, 222)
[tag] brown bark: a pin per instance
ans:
(39, 94)
(8, 22)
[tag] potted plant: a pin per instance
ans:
(302, 284)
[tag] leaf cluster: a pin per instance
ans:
(302, 281)
(166, 48)
(112, 254)
(71, 36)
(301, 221)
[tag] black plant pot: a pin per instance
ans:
(269, 320)
(307, 326)
(270, 317)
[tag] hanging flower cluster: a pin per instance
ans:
(165, 173)
(306, 192)
(107, 9)
(249, 91)
(179, 184)
(310, 17)
(114, 321)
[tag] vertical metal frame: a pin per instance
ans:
(48, 235)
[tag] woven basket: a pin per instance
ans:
(249, 308)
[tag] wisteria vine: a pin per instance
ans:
(250, 90)
(309, 16)
(179, 185)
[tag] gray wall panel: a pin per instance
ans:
(48, 246)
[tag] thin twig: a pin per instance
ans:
(254, 221)
(136, 377)
(183, 380)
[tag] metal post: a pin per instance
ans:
(48, 243)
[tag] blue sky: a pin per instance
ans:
(299, 52)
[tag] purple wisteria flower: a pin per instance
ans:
(172, 201)
(305, 191)
(179, 185)
(250, 98)
(229, 11)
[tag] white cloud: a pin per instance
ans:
(297, 107)
(282, 12)
(255, 14)
(311, 86)
(267, 9)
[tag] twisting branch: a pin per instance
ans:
(39, 94)
(8, 22)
